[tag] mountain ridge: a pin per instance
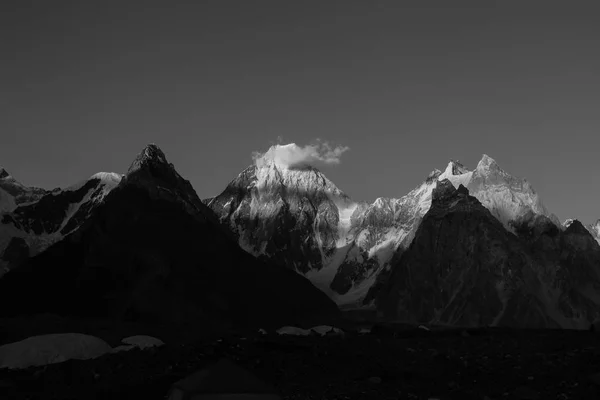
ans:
(449, 275)
(344, 243)
(298, 219)
(140, 257)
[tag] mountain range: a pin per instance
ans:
(465, 247)
(146, 249)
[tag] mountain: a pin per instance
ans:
(31, 219)
(14, 193)
(506, 196)
(152, 251)
(293, 217)
(299, 219)
(465, 268)
(595, 230)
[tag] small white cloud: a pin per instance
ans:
(293, 156)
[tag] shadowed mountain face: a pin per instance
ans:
(464, 268)
(13, 193)
(32, 218)
(299, 219)
(153, 252)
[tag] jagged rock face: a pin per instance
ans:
(299, 219)
(506, 196)
(152, 172)
(47, 215)
(155, 254)
(286, 223)
(13, 193)
(294, 217)
(45, 219)
(594, 229)
(464, 268)
(568, 264)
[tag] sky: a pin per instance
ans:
(401, 86)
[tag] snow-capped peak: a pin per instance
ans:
(433, 175)
(108, 177)
(456, 173)
(506, 196)
(292, 156)
(275, 157)
(273, 175)
(486, 162)
(453, 168)
(488, 166)
(152, 154)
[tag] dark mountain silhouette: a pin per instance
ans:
(464, 268)
(152, 251)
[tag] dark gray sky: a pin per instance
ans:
(407, 85)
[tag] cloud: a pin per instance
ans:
(296, 157)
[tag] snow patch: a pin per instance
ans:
(345, 212)
(51, 349)
(294, 331)
(7, 201)
(143, 341)
(327, 330)
(110, 180)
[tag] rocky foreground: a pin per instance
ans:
(386, 364)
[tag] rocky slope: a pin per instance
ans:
(31, 219)
(462, 364)
(464, 268)
(299, 219)
(594, 229)
(13, 193)
(293, 217)
(151, 251)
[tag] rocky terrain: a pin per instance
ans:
(32, 219)
(394, 362)
(469, 255)
(594, 229)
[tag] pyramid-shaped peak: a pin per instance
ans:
(151, 154)
(575, 226)
(454, 167)
(486, 162)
